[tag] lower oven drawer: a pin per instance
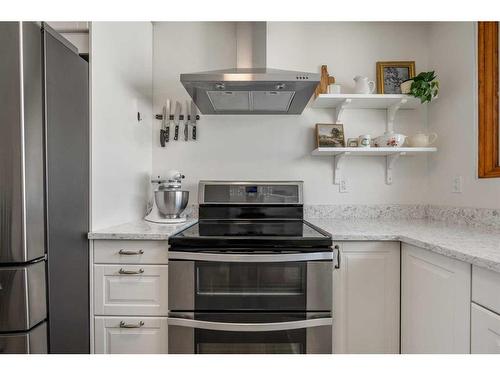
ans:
(205, 281)
(250, 333)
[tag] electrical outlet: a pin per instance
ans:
(457, 184)
(344, 185)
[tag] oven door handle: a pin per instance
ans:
(249, 327)
(253, 258)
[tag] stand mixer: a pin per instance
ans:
(168, 200)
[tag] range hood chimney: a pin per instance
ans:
(251, 88)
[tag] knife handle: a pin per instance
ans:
(162, 138)
(167, 133)
(194, 132)
(176, 133)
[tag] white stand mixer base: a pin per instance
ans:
(165, 221)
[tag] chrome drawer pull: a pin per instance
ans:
(125, 325)
(126, 252)
(126, 272)
(337, 248)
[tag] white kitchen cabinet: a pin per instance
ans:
(435, 303)
(130, 252)
(131, 335)
(366, 298)
(486, 288)
(130, 289)
(485, 331)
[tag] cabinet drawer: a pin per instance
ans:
(485, 331)
(130, 252)
(131, 289)
(130, 335)
(486, 288)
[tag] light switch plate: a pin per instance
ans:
(344, 185)
(457, 184)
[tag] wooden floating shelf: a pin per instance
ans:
(365, 101)
(371, 151)
(392, 154)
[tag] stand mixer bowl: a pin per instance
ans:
(171, 203)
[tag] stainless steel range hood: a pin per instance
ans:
(251, 88)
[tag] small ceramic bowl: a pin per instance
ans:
(390, 140)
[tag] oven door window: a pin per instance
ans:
(254, 286)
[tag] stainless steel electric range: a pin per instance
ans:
(251, 276)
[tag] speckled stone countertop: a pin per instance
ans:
(140, 230)
(479, 246)
(473, 245)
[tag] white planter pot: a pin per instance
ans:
(406, 86)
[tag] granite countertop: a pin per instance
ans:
(140, 230)
(469, 244)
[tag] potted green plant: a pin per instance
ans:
(424, 86)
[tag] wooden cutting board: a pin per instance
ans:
(324, 81)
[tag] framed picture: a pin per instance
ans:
(352, 142)
(390, 75)
(330, 135)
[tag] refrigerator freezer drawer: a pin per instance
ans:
(23, 301)
(31, 342)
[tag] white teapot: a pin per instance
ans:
(363, 86)
(422, 140)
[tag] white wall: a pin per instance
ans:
(454, 117)
(279, 147)
(121, 80)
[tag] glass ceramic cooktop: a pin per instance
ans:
(251, 228)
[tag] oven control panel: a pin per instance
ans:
(237, 192)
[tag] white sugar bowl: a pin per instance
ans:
(390, 139)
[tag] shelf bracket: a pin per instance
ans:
(390, 161)
(340, 110)
(339, 161)
(391, 114)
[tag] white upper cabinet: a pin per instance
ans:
(435, 303)
(366, 298)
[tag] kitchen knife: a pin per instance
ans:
(186, 122)
(162, 130)
(194, 113)
(167, 129)
(177, 120)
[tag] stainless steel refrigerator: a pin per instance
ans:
(44, 192)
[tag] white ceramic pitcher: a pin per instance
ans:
(422, 140)
(363, 85)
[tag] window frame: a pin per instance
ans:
(488, 124)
